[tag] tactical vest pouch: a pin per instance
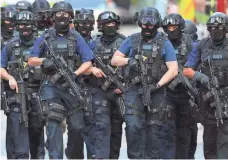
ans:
(57, 112)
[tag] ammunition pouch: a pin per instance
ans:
(164, 112)
(57, 112)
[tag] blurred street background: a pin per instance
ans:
(196, 10)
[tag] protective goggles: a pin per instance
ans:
(83, 17)
(24, 18)
(9, 15)
(171, 21)
(213, 20)
(148, 19)
(109, 15)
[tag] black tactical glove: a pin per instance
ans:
(132, 63)
(202, 78)
(74, 76)
(153, 88)
(48, 66)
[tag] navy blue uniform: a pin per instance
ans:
(55, 95)
(16, 146)
(75, 143)
(148, 135)
(215, 137)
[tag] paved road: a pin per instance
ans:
(126, 30)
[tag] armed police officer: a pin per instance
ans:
(21, 102)
(177, 91)
(42, 11)
(83, 24)
(191, 30)
(7, 24)
(211, 57)
(150, 64)
(56, 52)
(106, 91)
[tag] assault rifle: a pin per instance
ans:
(110, 75)
(214, 92)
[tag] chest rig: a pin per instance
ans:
(64, 47)
(151, 54)
(219, 57)
(21, 53)
(105, 51)
(183, 50)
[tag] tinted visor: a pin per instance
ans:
(148, 20)
(213, 20)
(108, 16)
(171, 21)
(25, 18)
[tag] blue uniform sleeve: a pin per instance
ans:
(4, 58)
(92, 44)
(168, 52)
(38, 47)
(126, 47)
(83, 50)
(194, 57)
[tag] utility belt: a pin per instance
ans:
(138, 80)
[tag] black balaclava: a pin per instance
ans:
(26, 34)
(84, 30)
(218, 35)
(110, 31)
(153, 32)
(7, 29)
(62, 24)
(175, 36)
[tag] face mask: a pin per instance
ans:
(42, 24)
(7, 29)
(62, 24)
(84, 30)
(217, 35)
(173, 35)
(26, 34)
(110, 30)
(152, 32)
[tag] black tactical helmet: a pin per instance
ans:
(173, 19)
(25, 17)
(41, 9)
(40, 6)
(148, 15)
(107, 17)
(190, 28)
(217, 18)
(23, 6)
(63, 7)
(8, 13)
(84, 15)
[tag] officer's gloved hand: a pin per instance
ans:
(153, 88)
(48, 66)
(202, 78)
(132, 63)
(74, 76)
